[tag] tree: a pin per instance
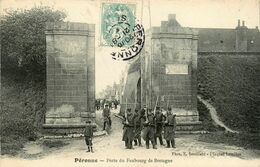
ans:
(23, 41)
(23, 74)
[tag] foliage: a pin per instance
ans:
(23, 41)
(231, 83)
(245, 140)
(22, 113)
(23, 75)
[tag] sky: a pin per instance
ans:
(189, 13)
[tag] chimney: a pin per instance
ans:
(172, 17)
(172, 21)
(241, 37)
(238, 23)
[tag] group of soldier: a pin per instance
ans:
(100, 103)
(140, 124)
(149, 125)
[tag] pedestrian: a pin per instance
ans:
(115, 103)
(129, 129)
(88, 134)
(139, 120)
(110, 104)
(102, 104)
(169, 129)
(159, 119)
(97, 104)
(149, 129)
(106, 117)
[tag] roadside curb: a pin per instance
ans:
(96, 134)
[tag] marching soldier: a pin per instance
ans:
(169, 130)
(106, 116)
(139, 119)
(102, 102)
(149, 129)
(159, 118)
(97, 104)
(110, 104)
(129, 129)
(115, 103)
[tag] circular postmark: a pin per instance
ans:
(122, 31)
(127, 53)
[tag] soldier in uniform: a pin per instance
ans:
(110, 104)
(139, 119)
(102, 104)
(159, 119)
(149, 129)
(106, 116)
(97, 104)
(88, 134)
(169, 129)
(129, 129)
(115, 103)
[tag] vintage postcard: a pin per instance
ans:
(130, 83)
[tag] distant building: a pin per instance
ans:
(240, 39)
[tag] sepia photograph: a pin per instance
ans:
(130, 83)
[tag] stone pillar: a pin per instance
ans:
(70, 76)
(172, 52)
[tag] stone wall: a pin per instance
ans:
(70, 74)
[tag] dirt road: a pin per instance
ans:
(109, 150)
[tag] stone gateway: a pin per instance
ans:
(166, 71)
(70, 77)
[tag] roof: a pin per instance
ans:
(224, 40)
(253, 40)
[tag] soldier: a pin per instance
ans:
(106, 116)
(149, 129)
(169, 130)
(139, 119)
(102, 104)
(129, 129)
(110, 104)
(98, 104)
(159, 118)
(88, 134)
(143, 111)
(115, 104)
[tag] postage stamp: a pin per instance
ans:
(117, 24)
(120, 29)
